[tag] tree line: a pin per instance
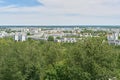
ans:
(89, 59)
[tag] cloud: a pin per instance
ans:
(84, 7)
(62, 11)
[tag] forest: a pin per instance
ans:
(88, 59)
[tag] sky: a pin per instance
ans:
(59, 12)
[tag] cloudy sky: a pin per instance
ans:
(59, 12)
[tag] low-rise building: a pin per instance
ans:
(66, 40)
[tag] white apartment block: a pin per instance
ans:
(20, 37)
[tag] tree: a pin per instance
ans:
(88, 59)
(50, 38)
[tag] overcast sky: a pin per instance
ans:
(59, 12)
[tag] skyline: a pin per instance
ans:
(59, 12)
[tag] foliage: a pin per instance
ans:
(50, 38)
(28, 33)
(89, 59)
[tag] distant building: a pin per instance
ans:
(66, 40)
(23, 37)
(1, 35)
(113, 38)
(16, 37)
(20, 37)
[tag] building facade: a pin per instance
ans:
(20, 37)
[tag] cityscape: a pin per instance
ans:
(59, 40)
(54, 45)
(61, 34)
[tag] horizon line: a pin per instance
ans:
(59, 24)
